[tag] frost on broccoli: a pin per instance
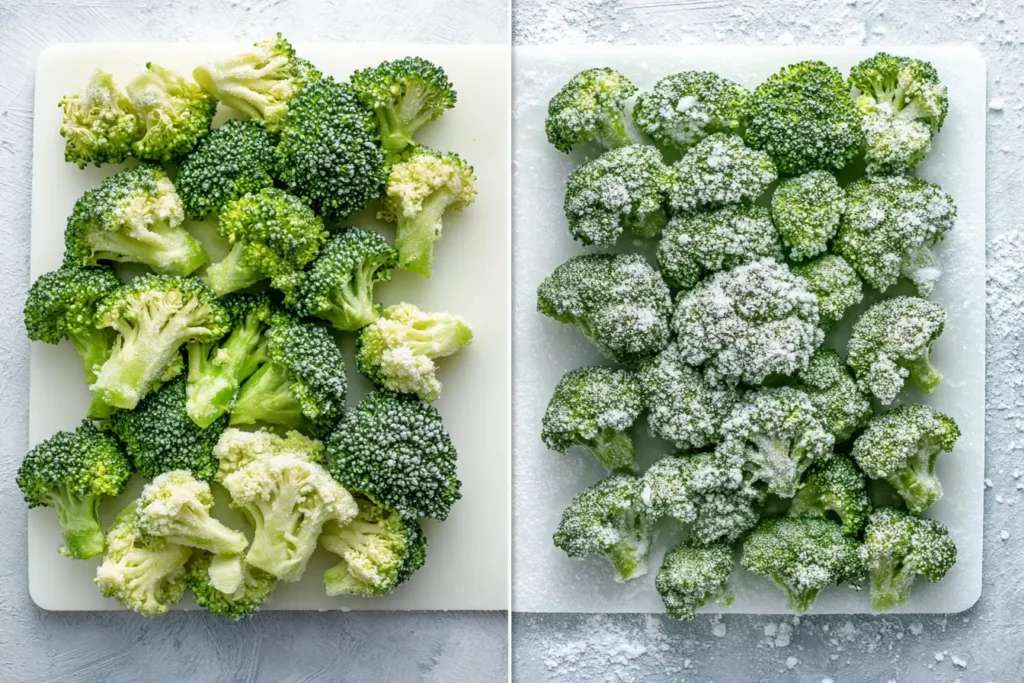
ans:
(592, 107)
(684, 108)
(806, 211)
(173, 114)
(254, 589)
(835, 283)
(834, 487)
(720, 170)
(838, 402)
(690, 577)
(100, 123)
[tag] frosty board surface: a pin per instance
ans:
(467, 567)
(544, 579)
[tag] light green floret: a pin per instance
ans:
(595, 408)
(901, 446)
(255, 588)
(592, 106)
(134, 216)
(609, 519)
(835, 283)
(173, 114)
(684, 108)
(899, 547)
(834, 488)
(720, 170)
(397, 351)
(691, 577)
(806, 211)
(100, 123)
(697, 244)
(72, 472)
(237, 448)
(891, 342)
(838, 402)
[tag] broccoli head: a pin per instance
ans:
(835, 283)
(255, 588)
(834, 487)
(100, 123)
(237, 448)
(684, 108)
(719, 170)
(806, 211)
(838, 402)
(173, 114)
(592, 106)
(690, 577)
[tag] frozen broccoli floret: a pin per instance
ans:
(834, 487)
(237, 448)
(255, 588)
(173, 113)
(690, 577)
(720, 170)
(806, 211)
(684, 108)
(838, 402)
(835, 283)
(901, 446)
(100, 123)
(594, 408)
(592, 106)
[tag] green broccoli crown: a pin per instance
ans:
(719, 170)
(234, 160)
(838, 402)
(328, 155)
(889, 227)
(684, 108)
(899, 547)
(747, 323)
(696, 244)
(618, 301)
(690, 577)
(806, 211)
(176, 506)
(835, 283)
(591, 107)
(595, 408)
(255, 589)
(100, 123)
(834, 486)
(624, 189)
(338, 286)
(237, 448)
(394, 449)
(173, 114)
(901, 446)
(405, 94)
(891, 342)
(609, 519)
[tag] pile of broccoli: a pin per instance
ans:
(225, 372)
(773, 213)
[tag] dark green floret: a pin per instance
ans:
(720, 170)
(255, 589)
(684, 108)
(834, 488)
(100, 123)
(838, 401)
(592, 106)
(835, 283)
(806, 211)
(690, 577)
(173, 113)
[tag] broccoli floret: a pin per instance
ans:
(835, 486)
(684, 108)
(153, 316)
(891, 342)
(697, 244)
(379, 550)
(234, 160)
(338, 286)
(72, 472)
(273, 236)
(719, 170)
(624, 189)
(806, 211)
(899, 547)
(397, 350)
(609, 519)
(237, 448)
(901, 446)
(100, 123)
(803, 117)
(690, 577)
(592, 106)
(134, 216)
(835, 283)
(594, 408)
(173, 114)
(838, 402)
(890, 227)
(618, 301)
(902, 105)
(405, 94)
(747, 323)
(328, 155)
(255, 588)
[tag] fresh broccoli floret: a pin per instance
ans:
(834, 486)
(594, 408)
(397, 350)
(237, 448)
(838, 402)
(609, 519)
(899, 547)
(234, 160)
(684, 108)
(405, 94)
(891, 342)
(835, 283)
(273, 236)
(747, 323)
(690, 577)
(618, 301)
(901, 446)
(173, 114)
(719, 170)
(338, 286)
(806, 211)
(890, 227)
(100, 123)
(134, 216)
(696, 244)
(902, 105)
(72, 472)
(255, 588)
(393, 449)
(328, 155)
(624, 189)
(803, 117)
(379, 550)
(153, 316)
(592, 107)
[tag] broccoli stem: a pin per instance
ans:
(93, 347)
(416, 236)
(283, 535)
(215, 372)
(437, 337)
(799, 601)
(353, 307)
(615, 132)
(614, 449)
(629, 558)
(267, 397)
(777, 466)
(917, 483)
(167, 250)
(230, 274)
(144, 354)
(79, 517)
(923, 374)
(890, 584)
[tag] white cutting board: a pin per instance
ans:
(545, 579)
(467, 559)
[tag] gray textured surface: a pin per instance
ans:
(985, 640)
(274, 647)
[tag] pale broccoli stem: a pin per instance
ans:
(417, 236)
(775, 460)
(214, 372)
(916, 482)
(167, 249)
(267, 397)
(923, 373)
(231, 273)
(79, 516)
(614, 449)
